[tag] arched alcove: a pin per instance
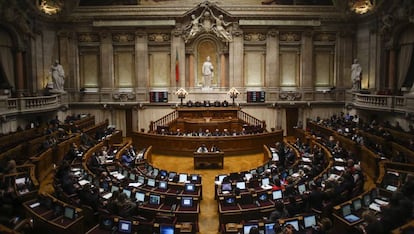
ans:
(203, 46)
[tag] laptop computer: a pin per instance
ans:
(347, 214)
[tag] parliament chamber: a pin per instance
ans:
(197, 116)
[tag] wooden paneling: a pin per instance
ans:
(182, 145)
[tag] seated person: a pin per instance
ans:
(127, 159)
(214, 148)
(202, 149)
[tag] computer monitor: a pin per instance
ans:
(151, 182)
(269, 228)
(253, 172)
(346, 210)
(230, 200)
(226, 187)
(125, 226)
(248, 176)
(69, 212)
(171, 175)
(46, 201)
(248, 226)
(182, 178)
(277, 194)
(149, 168)
(57, 209)
(241, 185)
(127, 192)
(260, 170)
(140, 196)
(221, 177)
(114, 188)
(374, 194)
(163, 185)
(309, 221)
(265, 181)
(263, 197)
(294, 223)
(189, 187)
(367, 200)
(105, 185)
(106, 223)
(186, 201)
(125, 173)
(132, 176)
(154, 199)
(155, 172)
(167, 229)
(356, 204)
(194, 177)
(163, 173)
(141, 179)
(301, 188)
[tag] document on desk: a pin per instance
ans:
(381, 202)
(107, 196)
(83, 182)
(339, 168)
(135, 185)
(375, 206)
(34, 205)
(266, 187)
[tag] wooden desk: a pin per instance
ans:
(208, 160)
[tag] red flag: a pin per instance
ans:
(177, 67)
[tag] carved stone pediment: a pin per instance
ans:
(207, 18)
(290, 96)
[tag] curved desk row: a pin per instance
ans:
(185, 146)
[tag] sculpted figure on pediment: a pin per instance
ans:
(207, 22)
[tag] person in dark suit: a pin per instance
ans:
(280, 212)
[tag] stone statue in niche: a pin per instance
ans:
(58, 77)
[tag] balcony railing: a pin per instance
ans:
(404, 104)
(9, 106)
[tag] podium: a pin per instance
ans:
(209, 160)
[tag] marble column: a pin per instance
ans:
(106, 55)
(236, 58)
(343, 56)
(141, 61)
(391, 69)
(66, 57)
(191, 71)
(307, 61)
(222, 82)
(20, 87)
(272, 60)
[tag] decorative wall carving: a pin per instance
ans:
(254, 37)
(290, 36)
(88, 37)
(122, 37)
(290, 96)
(159, 37)
(207, 22)
(123, 97)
